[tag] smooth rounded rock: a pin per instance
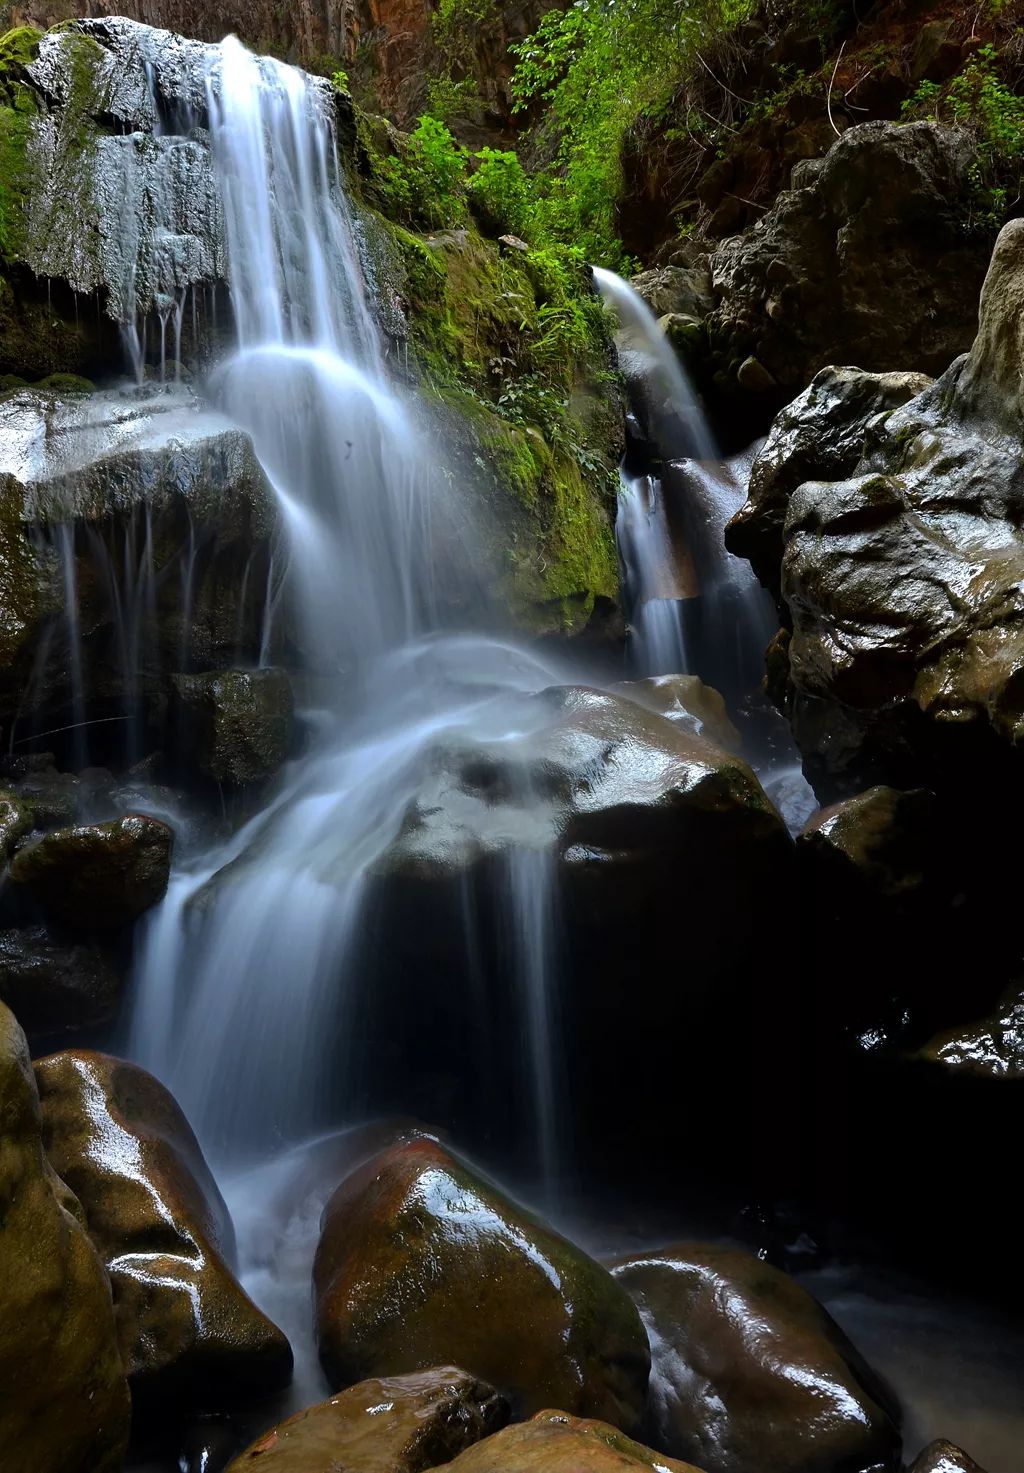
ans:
(943, 1457)
(64, 1405)
(689, 704)
(187, 1329)
(553, 1442)
(396, 1424)
(421, 1261)
(98, 876)
(750, 1373)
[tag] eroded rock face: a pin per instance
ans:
(903, 578)
(802, 288)
(553, 1442)
(421, 1261)
(750, 1372)
(52, 983)
(100, 876)
(186, 1329)
(65, 1406)
(150, 493)
(396, 1424)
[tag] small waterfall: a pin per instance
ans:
(248, 995)
(657, 642)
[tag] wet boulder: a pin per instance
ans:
(64, 1407)
(53, 983)
(689, 704)
(235, 724)
(396, 1424)
(985, 1051)
(15, 822)
(187, 1331)
(903, 576)
(802, 289)
(821, 435)
(749, 1371)
(943, 1457)
(553, 1442)
(98, 876)
(421, 1261)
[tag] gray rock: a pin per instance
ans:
(672, 290)
(803, 287)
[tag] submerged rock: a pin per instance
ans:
(236, 724)
(64, 1406)
(803, 288)
(943, 1457)
(397, 1424)
(186, 1328)
(553, 1442)
(53, 984)
(903, 579)
(99, 876)
(422, 1262)
(749, 1372)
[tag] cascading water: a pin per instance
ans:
(694, 608)
(247, 982)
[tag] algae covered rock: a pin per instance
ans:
(750, 1372)
(237, 723)
(187, 1330)
(64, 1407)
(392, 1424)
(98, 876)
(422, 1261)
(553, 1442)
(52, 983)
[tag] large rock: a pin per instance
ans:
(148, 493)
(422, 1262)
(688, 703)
(186, 1328)
(749, 1372)
(553, 1442)
(64, 1407)
(985, 1051)
(100, 876)
(821, 435)
(51, 983)
(803, 287)
(396, 1424)
(903, 579)
(236, 724)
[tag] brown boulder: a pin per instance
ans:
(397, 1424)
(689, 704)
(422, 1262)
(64, 1404)
(54, 984)
(556, 1443)
(186, 1328)
(943, 1457)
(100, 876)
(750, 1372)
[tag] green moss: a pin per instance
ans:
(17, 109)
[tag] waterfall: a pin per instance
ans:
(249, 996)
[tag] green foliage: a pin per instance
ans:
(423, 181)
(980, 100)
(595, 68)
(340, 81)
(500, 191)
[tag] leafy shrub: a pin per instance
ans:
(500, 191)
